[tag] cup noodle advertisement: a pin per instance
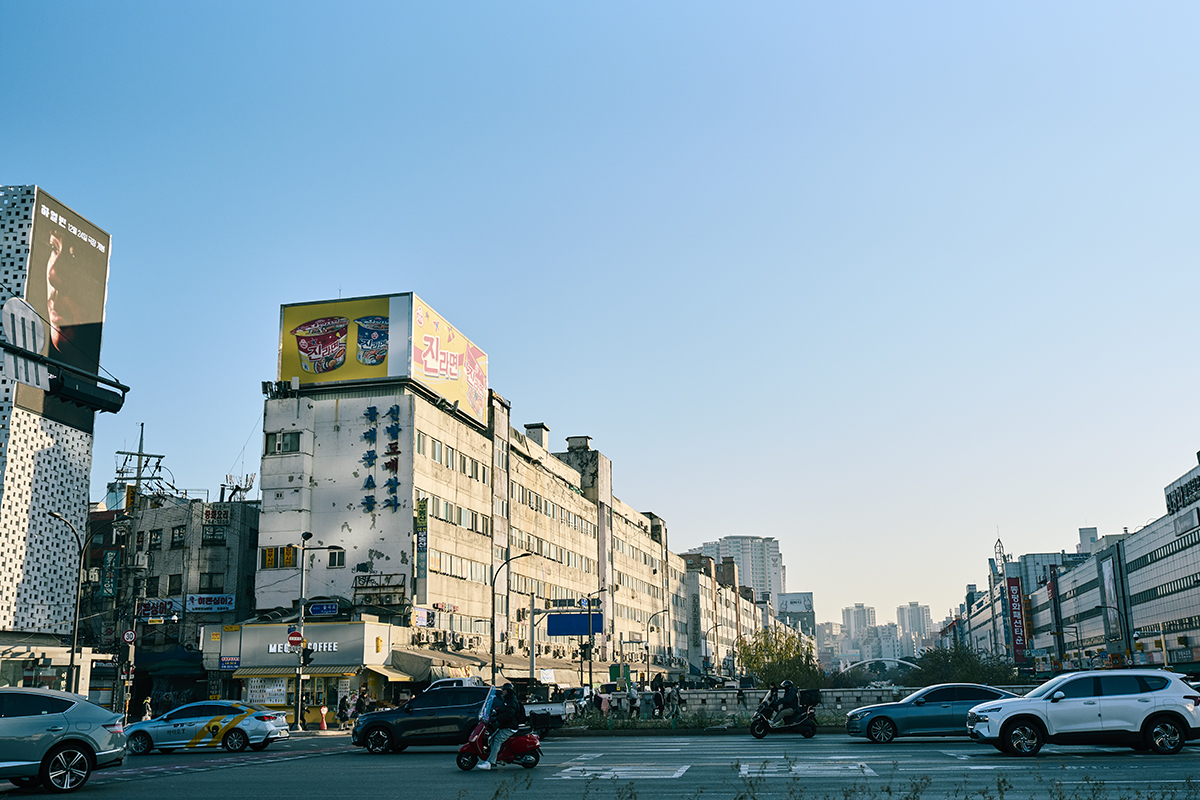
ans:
(376, 338)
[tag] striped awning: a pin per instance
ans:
(284, 672)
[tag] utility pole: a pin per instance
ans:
(142, 456)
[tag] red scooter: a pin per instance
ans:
(523, 748)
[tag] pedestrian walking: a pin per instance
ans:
(147, 710)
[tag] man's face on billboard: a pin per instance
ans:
(62, 309)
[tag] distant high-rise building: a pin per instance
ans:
(915, 620)
(759, 563)
(856, 620)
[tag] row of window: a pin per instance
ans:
(520, 540)
(452, 459)
(211, 536)
(1167, 550)
(1082, 588)
(527, 497)
(461, 516)
(210, 583)
(285, 558)
(636, 553)
(522, 584)
(1171, 587)
(630, 582)
(458, 567)
(282, 442)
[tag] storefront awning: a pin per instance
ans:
(426, 665)
(284, 672)
(391, 674)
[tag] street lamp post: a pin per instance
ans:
(1078, 646)
(495, 573)
(648, 621)
(299, 698)
(712, 662)
(72, 670)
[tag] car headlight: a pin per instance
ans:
(854, 716)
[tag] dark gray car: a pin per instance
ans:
(56, 738)
(443, 716)
(939, 710)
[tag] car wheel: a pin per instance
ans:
(261, 745)
(25, 783)
(466, 761)
(236, 740)
(379, 741)
(139, 744)
(1164, 736)
(758, 729)
(65, 769)
(530, 760)
(1022, 738)
(881, 730)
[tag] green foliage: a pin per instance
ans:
(960, 664)
(775, 655)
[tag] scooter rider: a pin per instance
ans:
(507, 714)
(789, 704)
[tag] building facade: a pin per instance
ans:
(759, 562)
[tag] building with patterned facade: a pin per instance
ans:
(45, 441)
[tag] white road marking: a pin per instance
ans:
(811, 769)
(627, 772)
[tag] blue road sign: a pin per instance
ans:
(323, 609)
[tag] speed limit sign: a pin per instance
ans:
(128, 637)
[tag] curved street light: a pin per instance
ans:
(648, 621)
(72, 670)
(495, 573)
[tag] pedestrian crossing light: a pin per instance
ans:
(306, 655)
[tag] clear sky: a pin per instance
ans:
(881, 280)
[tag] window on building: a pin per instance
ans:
(213, 536)
(174, 585)
(178, 536)
(337, 558)
(156, 539)
(282, 442)
(421, 443)
(451, 457)
(463, 461)
(212, 583)
(277, 558)
(435, 450)
(141, 540)
(152, 586)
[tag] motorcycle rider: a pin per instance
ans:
(507, 714)
(789, 704)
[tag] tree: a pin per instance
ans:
(961, 664)
(778, 654)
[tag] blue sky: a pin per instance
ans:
(879, 280)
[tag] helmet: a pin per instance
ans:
(786, 684)
(509, 688)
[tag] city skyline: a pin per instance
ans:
(935, 255)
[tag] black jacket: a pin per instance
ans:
(508, 712)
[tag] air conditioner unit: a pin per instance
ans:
(141, 560)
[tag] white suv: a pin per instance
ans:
(1146, 709)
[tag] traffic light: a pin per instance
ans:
(306, 655)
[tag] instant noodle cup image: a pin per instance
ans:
(372, 340)
(322, 344)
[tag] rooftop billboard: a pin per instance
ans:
(367, 339)
(66, 285)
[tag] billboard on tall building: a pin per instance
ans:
(66, 284)
(366, 339)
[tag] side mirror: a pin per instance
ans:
(1059, 695)
(406, 708)
(920, 701)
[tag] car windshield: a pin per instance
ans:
(1050, 686)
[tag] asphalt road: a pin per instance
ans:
(679, 767)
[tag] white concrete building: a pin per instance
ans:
(759, 562)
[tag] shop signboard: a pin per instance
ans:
(210, 603)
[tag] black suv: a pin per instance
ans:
(441, 716)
